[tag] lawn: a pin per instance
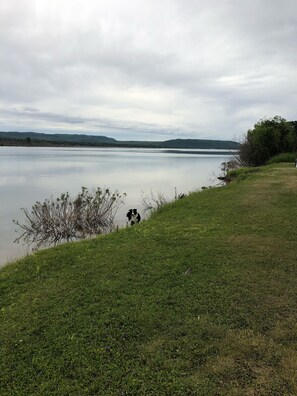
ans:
(199, 300)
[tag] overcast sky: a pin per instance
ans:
(147, 69)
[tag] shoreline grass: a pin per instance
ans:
(198, 300)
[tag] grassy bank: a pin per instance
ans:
(199, 300)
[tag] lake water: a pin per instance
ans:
(28, 174)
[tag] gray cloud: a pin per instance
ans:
(31, 116)
(147, 69)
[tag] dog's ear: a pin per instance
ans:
(138, 217)
(129, 214)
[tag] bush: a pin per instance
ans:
(269, 138)
(282, 157)
(154, 201)
(64, 219)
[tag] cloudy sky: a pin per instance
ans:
(147, 69)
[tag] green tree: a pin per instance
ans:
(268, 138)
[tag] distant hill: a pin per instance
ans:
(59, 138)
(201, 144)
(40, 139)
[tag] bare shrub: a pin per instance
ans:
(154, 201)
(233, 163)
(65, 219)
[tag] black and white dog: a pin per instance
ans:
(133, 216)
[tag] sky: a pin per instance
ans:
(147, 69)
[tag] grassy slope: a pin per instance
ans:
(200, 300)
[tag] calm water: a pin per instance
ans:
(30, 174)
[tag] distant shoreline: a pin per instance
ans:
(34, 139)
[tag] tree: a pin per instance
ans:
(268, 138)
(65, 219)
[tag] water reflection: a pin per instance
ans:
(31, 174)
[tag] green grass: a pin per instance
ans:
(199, 300)
(242, 173)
